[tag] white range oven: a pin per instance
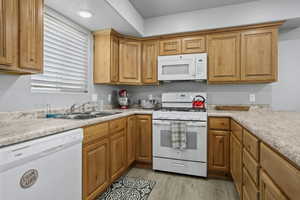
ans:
(191, 160)
(182, 67)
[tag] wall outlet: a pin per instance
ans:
(150, 96)
(252, 98)
(109, 98)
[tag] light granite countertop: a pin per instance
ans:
(280, 130)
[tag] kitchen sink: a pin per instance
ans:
(88, 115)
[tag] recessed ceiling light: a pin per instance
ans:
(85, 14)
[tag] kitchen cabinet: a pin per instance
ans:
(117, 154)
(194, 44)
(130, 61)
(106, 57)
(8, 34)
(131, 139)
(218, 151)
(144, 139)
(149, 61)
(250, 190)
(31, 35)
(259, 55)
(170, 47)
(236, 165)
(268, 190)
(21, 36)
(224, 57)
(95, 168)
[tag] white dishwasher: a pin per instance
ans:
(48, 168)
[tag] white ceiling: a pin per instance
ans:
(155, 8)
(104, 16)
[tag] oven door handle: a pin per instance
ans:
(197, 124)
(161, 123)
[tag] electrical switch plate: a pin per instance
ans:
(95, 97)
(109, 98)
(252, 98)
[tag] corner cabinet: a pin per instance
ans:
(21, 35)
(131, 139)
(149, 61)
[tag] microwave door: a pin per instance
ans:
(183, 69)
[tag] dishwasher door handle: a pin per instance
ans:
(52, 150)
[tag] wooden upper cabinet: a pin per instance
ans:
(95, 169)
(130, 61)
(144, 139)
(31, 34)
(224, 57)
(218, 156)
(149, 62)
(194, 44)
(259, 55)
(106, 57)
(170, 47)
(8, 33)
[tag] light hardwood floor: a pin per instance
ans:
(180, 187)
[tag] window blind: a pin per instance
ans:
(65, 57)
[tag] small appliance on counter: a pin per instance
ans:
(123, 99)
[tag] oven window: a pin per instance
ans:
(175, 69)
(165, 139)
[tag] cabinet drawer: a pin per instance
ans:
(170, 47)
(251, 165)
(195, 44)
(237, 130)
(249, 187)
(117, 125)
(285, 176)
(219, 123)
(94, 132)
(251, 144)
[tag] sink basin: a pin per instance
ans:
(89, 115)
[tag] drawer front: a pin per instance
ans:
(251, 144)
(285, 176)
(195, 44)
(237, 130)
(251, 166)
(219, 123)
(117, 125)
(170, 47)
(94, 132)
(249, 187)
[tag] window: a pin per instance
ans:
(66, 59)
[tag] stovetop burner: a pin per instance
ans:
(182, 109)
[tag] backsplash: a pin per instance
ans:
(217, 94)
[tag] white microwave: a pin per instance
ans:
(182, 67)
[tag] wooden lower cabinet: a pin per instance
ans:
(95, 168)
(218, 153)
(236, 164)
(131, 139)
(268, 189)
(117, 155)
(144, 139)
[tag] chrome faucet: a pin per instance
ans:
(72, 108)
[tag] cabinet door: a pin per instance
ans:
(268, 190)
(95, 169)
(194, 44)
(170, 47)
(218, 155)
(236, 166)
(8, 33)
(130, 61)
(114, 59)
(131, 139)
(117, 154)
(224, 57)
(259, 55)
(149, 65)
(144, 139)
(31, 35)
